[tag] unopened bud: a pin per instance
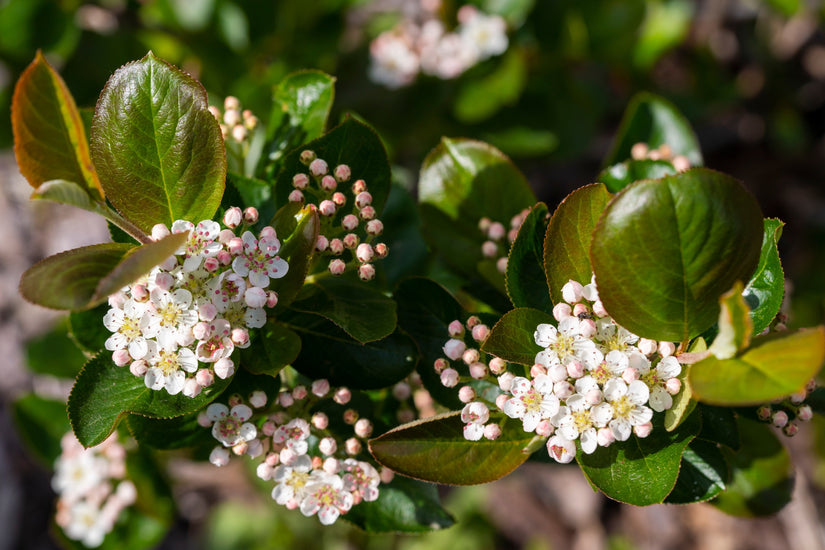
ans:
(233, 217)
(299, 393)
(255, 297)
(205, 377)
(497, 365)
(211, 265)
(404, 415)
(240, 337)
(121, 357)
(478, 370)
(352, 446)
(439, 365)
(342, 172)
(647, 347)
(241, 448)
(296, 196)
(320, 387)
(318, 168)
(164, 281)
(329, 184)
(224, 368)
(321, 243)
(337, 267)
(805, 413)
(545, 428)
(580, 310)
(501, 400)
(375, 228)
(537, 370)
(359, 187)
(790, 430)
(285, 399)
(364, 252)
(327, 446)
(587, 328)
(470, 356)
(764, 413)
(300, 181)
(455, 329)
(779, 419)
(342, 396)
(351, 240)
(327, 208)
(363, 428)
(307, 157)
(492, 431)
(505, 381)
(219, 456)
(215, 112)
(366, 272)
(250, 215)
(563, 389)
(449, 378)
(484, 224)
(501, 264)
(489, 249)
(666, 349)
(599, 310)
(680, 163)
(562, 311)
(639, 151)
(257, 399)
(575, 369)
(798, 397)
(339, 199)
(630, 375)
(401, 391)
(320, 421)
(673, 385)
(496, 232)
(367, 213)
(271, 298)
(239, 133)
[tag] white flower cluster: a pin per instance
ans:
(91, 489)
(594, 381)
(301, 456)
(196, 306)
(495, 247)
(340, 231)
(398, 55)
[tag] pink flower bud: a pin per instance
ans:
(544, 428)
(336, 246)
(267, 234)
(350, 240)
(321, 243)
(496, 232)
(505, 381)
(328, 183)
(587, 328)
(449, 378)
(563, 389)
(363, 428)
(779, 419)
(790, 430)
(598, 309)
(352, 446)
(364, 252)
(512, 235)
(605, 437)
(363, 199)
(331, 466)
(211, 264)
(327, 446)
(639, 151)
(680, 163)
(375, 228)
(219, 456)
(342, 172)
(337, 267)
(327, 208)
(673, 386)
(159, 231)
(250, 215)
(307, 156)
(231, 103)
(318, 168)
(666, 349)
(367, 213)
(489, 249)
(257, 399)
(164, 281)
(224, 257)
(537, 370)
(201, 330)
(497, 365)
(466, 394)
(232, 217)
(580, 309)
(455, 329)
(205, 378)
(492, 431)
(630, 375)
(478, 370)
(401, 391)
(299, 393)
(501, 264)
(575, 369)
(121, 357)
(594, 396)
(240, 337)
(359, 187)
(285, 399)
(439, 365)
(643, 430)
(206, 312)
(191, 388)
(272, 459)
(255, 297)
(342, 396)
(224, 368)
(234, 400)
(764, 413)
(647, 347)
(366, 272)
(557, 372)
(320, 421)
(339, 199)
(203, 420)
(215, 112)
(239, 133)
(287, 456)
(264, 471)
(349, 222)
(454, 348)
(562, 311)
(320, 387)
(470, 356)
(300, 181)
(138, 368)
(501, 400)
(805, 413)
(484, 224)
(296, 196)
(235, 246)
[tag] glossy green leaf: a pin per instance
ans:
(49, 138)
(719, 425)
(300, 108)
(640, 471)
(68, 192)
(328, 352)
(403, 506)
(352, 143)
(617, 177)
(362, 311)
(735, 325)
(297, 229)
(54, 353)
(181, 432)
(157, 148)
(104, 393)
(766, 289)
(435, 450)
(512, 338)
(87, 330)
(569, 234)
(479, 99)
(41, 424)
(526, 283)
(425, 311)
(773, 366)
(275, 347)
(653, 120)
(665, 250)
(703, 475)
(462, 177)
(762, 480)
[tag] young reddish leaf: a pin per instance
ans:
(157, 148)
(567, 242)
(435, 450)
(49, 138)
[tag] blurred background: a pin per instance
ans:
(748, 74)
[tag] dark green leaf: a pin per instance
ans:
(773, 366)
(49, 138)
(275, 347)
(297, 229)
(328, 352)
(766, 288)
(181, 432)
(653, 120)
(87, 330)
(402, 232)
(567, 243)
(703, 475)
(55, 353)
(103, 393)
(719, 426)
(435, 450)
(526, 283)
(512, 338)
(245, 382)
(157, 148)
(403, 506)
(641, 471)
(41, 424)
(619, 176)
(665, 250)
(363, 312)
(762, 480)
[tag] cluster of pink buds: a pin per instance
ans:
(642, 151)
(786, 413)
(349, 226)
(235, 123)
(92, 489)
(314, 470)
(499, 239)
